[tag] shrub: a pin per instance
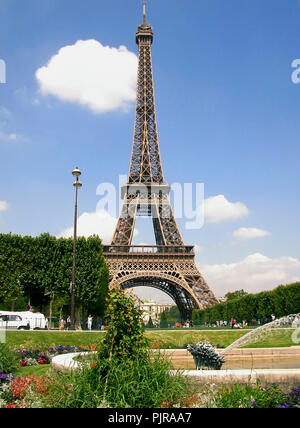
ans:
(141, 382)
(124, 373)
(8, 359)
(124, 336)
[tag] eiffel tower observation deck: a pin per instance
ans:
(169, 265)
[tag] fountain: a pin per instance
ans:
(288, 321)
(266, 365)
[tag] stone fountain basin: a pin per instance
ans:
(183, 360)
(246, 358)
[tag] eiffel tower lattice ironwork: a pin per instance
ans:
(168, 266)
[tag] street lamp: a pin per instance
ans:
(77, 184)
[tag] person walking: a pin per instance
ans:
(90, 322)
(68, 325)
(61, 324)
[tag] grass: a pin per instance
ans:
(169, 339)
(172, 339)
(37, 371)
(44, 339)
(275, 338)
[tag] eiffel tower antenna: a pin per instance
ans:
(144, 13)
(169, 265)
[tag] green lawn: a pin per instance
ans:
(169, 339)
(172, 339)
(44, 339)
(275, 338)
(37, 371)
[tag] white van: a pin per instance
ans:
(22, 321)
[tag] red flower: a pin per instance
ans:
(94, 365)
(10, 406)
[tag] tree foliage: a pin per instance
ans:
(170, 316)
(281, 301)
(236, 295)
(37, 268)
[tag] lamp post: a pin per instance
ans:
(77, 184)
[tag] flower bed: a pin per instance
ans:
(35, 357)
(31, 391)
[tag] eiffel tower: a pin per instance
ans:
(169, 265)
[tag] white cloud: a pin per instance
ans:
(197, 249)
(13, 137)
(218, 209)
(99, 223)
(150, 293)
(255, 273)
(99, 77)
(8, 137)
(4, 113)
(250, 232)
(3, 206)
(5, 117)
(96, 223)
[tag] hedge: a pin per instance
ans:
(281, 301)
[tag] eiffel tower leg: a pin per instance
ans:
(125, 226)
(165, 225)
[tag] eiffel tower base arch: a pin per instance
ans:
(169, 269)
(180, 296)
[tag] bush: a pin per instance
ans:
(124, 373)
(8, 359)
(141, 382)
(124, 336)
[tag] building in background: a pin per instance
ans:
(152, 309)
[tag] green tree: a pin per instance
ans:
(11, 269)
(163, 320)
(150, 323)
(235, 295)
(283, 300)
(40, 268)
(172, 315)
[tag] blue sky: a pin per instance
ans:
(228, 116)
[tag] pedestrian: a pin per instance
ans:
(296, 322)
(232, 322)
(68, 325)
(90, 322)
(61, 324)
